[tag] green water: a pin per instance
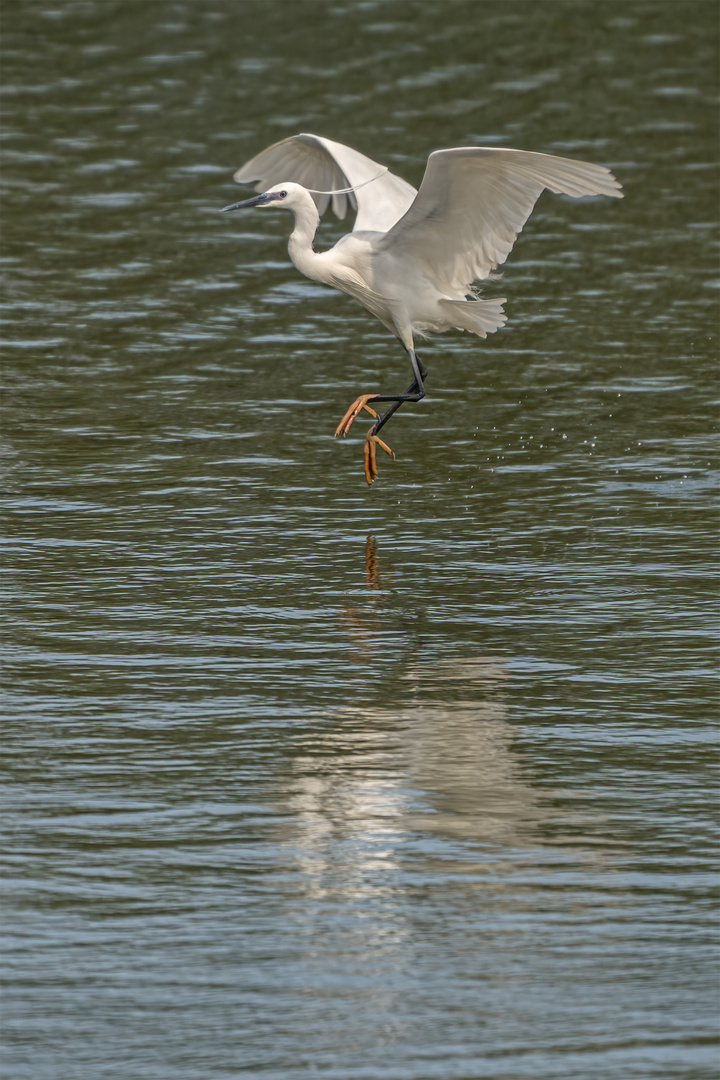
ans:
(309, 779)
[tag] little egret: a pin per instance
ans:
(413, 258)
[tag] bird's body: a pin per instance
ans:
(413, 258)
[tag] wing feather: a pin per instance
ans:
(324, 165)
(474, 201)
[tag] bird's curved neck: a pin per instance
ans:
(300, 244)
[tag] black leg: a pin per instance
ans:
(411, 394)
(414, 392)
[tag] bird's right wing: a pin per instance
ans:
(474, 201)
(322, 165)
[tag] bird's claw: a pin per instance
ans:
(369, 453)
(354, 410)
(371, 441)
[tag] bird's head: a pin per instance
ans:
(281, 196)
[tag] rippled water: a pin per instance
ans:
(310, 779)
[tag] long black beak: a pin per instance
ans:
(257, 200)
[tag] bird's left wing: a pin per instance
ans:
(323, 165)
(473, 203)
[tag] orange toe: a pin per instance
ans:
(370, 455)
(357, 407)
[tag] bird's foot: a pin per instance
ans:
(356, 408)
(370, 464)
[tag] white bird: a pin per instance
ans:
(413, 257)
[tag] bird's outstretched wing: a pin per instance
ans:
(323, 165)
(473, 202)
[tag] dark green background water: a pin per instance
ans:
(283, 801)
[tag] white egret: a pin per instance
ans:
(413, 258)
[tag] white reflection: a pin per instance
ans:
(456, 756)
(430, 766)
(384, 784)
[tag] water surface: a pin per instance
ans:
(310, 779)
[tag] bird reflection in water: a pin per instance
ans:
(437, 753)
(357, 624)
(371, 563)
(425, 784)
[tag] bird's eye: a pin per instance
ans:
(283, 194)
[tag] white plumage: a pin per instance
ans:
(413, 257)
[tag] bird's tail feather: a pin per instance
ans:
(481, 317)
